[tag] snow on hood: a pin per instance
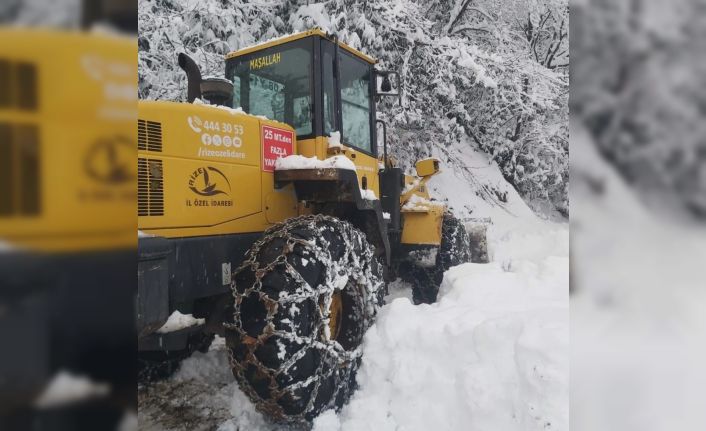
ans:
(296, 161)
(232, 111)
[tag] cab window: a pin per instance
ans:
(329, 89)
(355, 101)
(276, 83)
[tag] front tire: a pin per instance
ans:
(304, 297)
(455, 249)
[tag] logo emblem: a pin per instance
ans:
(111, 160)
(209, 181)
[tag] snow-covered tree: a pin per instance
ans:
(638, 89)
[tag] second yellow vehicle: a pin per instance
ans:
(268, 213)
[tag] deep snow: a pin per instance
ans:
(491, 354)
(638, 323)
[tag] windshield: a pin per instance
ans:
(276, 83)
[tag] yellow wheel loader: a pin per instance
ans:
(268, 213)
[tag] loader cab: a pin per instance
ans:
(295, 80)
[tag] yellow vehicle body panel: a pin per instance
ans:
(211, 174)
(367, 170)
(422, 221)
(67, 149)
(367, 166)
(423, 227)
(180, 154)
(315, 147)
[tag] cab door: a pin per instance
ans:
(349, 108)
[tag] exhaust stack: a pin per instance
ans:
(193, 76)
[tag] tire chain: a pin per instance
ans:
(331, 352)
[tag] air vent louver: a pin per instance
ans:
(18, 86)
(19, 170)
(6, 171)
(27, 84)
(150, 187)
(5, 84)
(20, 176)
(149, 136)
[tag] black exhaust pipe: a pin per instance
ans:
(193, 76)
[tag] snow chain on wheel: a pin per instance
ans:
(304, 297)
(455, 249)
(455, 246)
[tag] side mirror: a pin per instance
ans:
(386, 85)
(383, 84)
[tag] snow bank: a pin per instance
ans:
(213, 369)
(300, 162)
(637, 308)
(472, 185)
(492, 354)
(179, 321)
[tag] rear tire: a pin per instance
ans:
(304, 297)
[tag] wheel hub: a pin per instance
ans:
(335, 314)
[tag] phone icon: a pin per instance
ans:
(195, 123)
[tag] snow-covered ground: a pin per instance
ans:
(638, 325)
(491, 354)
